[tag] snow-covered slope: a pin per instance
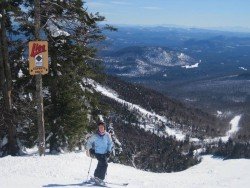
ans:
(141, 111)
(69, 170)
(153, 120)
(234, 127)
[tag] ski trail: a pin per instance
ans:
(109, 93)
(234, 125)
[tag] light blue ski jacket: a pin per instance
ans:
(101, 144)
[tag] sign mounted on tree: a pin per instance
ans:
(38, 57)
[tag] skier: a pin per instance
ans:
(99, 145)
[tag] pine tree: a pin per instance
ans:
(71, 105)
(70, 31)
(8, 120)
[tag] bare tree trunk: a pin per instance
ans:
(2, 75)
(40, 115)
(39, 97)
(6, 84)
(7, 71)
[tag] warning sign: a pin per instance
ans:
(38, 57)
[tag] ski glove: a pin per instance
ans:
(108, 154)
(92, 153)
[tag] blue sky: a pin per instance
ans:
(191, 13)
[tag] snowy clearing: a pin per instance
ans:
(70, 170)
(191, 66)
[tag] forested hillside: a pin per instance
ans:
(148, 149)
(195, 121)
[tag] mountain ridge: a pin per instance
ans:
(141, 61)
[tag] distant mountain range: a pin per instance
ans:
(136, 61)
(232, 29)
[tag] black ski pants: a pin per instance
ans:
(102, 166)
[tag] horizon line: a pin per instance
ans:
(237, 29)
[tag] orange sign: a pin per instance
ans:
(38, 57)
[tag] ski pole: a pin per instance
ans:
(89, 168)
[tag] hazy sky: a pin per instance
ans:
(194, 13)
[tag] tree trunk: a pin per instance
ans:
(39, 97)
(40, 115)
(2, 75)
(6, 85)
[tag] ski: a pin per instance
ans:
(113, 183)
(90, 184)
(92, 181)
(95, 182)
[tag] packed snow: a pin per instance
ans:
(71, 169)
